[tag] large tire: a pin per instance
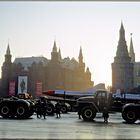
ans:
(50, 109)
(31, 110)
(22, 111)
(5, 111)
(88, 113)
(130, 116)
(29, 114)
(64, 109)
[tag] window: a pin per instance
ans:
(101, 94)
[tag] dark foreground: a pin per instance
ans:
(68, 127)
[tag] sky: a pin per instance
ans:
(30, 28)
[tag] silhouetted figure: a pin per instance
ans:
(58, 109)
(79, 115)
(41, 106)
(105, 114)
(38, 109)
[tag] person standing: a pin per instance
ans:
(105, 114)
(79, 114)
(38, 109)
(58, 109)
(43, 107)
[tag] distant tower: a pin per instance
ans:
(8, 55)
(131, 51)
(80, 56)
(81, 63)
(54, 54)
(122, 68)
(60, 54)
(6, 72)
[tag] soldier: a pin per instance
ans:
(105, 114)
(58, 109)
(38, 109)
(79, 114)
(43, 107)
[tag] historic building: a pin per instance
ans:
(40, 74)
(125, 71)
(122, 68)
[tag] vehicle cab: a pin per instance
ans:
(102, 99)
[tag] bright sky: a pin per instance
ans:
(31, 28)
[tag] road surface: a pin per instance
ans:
(68, 127)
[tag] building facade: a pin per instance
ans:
(42, 74)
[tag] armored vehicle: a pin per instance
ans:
(15, 107)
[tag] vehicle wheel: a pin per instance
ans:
(64, 109)
(5, 111)
(88, 113)
(31, 110)
(50, 109)
(21, 112)
(29, 114)
(129, 116)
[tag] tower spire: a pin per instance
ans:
(54, 53)
(8, 50)
(122, 33)
(80, 55)
(131, 51)
(81, 63)
(8, 54)
(59, 54)
(122, 46)
(54, 47)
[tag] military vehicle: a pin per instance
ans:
(24, 106)
(90, 105)
(15, 107)
(51, 101)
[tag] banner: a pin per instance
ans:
(38, 88)
(12, 88)
(22, 84)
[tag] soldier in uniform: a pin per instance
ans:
(105, 114)
(43, 107)
(58, 109)
(38, 109)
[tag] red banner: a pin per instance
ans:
(38, 88)
(12, 88)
